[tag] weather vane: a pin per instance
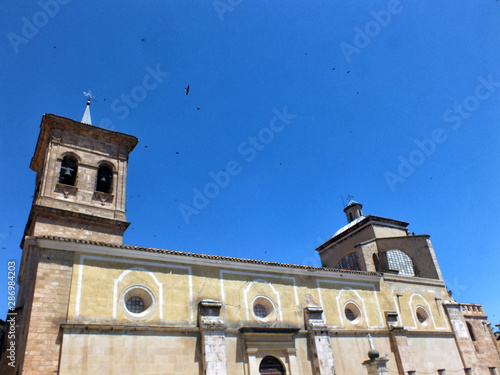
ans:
(88, 95)
(349, 197)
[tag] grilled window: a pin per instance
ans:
(420, 318)
(349, 262)
(260, 311)
(399, 261)
(349, 315)
(135, 305)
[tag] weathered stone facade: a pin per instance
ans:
(89, 305)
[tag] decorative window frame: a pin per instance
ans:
(422, 311)
(268, 304)
(356, 310)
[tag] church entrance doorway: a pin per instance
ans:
(271, 366)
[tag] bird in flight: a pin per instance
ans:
(187, 90)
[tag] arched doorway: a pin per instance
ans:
(271, 366)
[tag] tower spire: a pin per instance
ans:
(86, 115)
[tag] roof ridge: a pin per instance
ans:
(200, 255)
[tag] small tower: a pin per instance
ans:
(80, 182)
(353, 210)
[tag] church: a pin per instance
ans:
(89, 304)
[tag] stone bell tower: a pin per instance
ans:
(80, 182)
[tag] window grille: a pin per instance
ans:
(260, 311)
(420, 318)
(135, 305)
(349, 262)
(349, 315)
(399, 261)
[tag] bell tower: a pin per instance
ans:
(81, 173)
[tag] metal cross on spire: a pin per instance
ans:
(89, 95)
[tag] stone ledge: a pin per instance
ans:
(119, 327)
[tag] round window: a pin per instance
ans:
(352, 313)
(259, 310)
(135, 305)
(263, 309)
(138, 302)
(422, 316)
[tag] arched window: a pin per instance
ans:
(471, 331)
(104, 179)
(399, 261)
(349, 262)
(271, 366)
(67, 174)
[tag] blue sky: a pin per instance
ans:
(393, 103)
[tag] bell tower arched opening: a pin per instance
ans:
(68, 171)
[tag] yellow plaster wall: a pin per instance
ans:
(184, 285)
(93, 294)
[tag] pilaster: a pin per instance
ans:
(213, 338)
(399, 343)
(319, 339)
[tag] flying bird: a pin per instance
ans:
(187, 90)
(198, 108)
(348, 72)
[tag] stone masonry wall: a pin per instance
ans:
(49, 310)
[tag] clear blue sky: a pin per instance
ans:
(396, 104)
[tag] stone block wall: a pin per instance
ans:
(49, 311)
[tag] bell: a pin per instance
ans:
(103, 178)
(68, 171)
